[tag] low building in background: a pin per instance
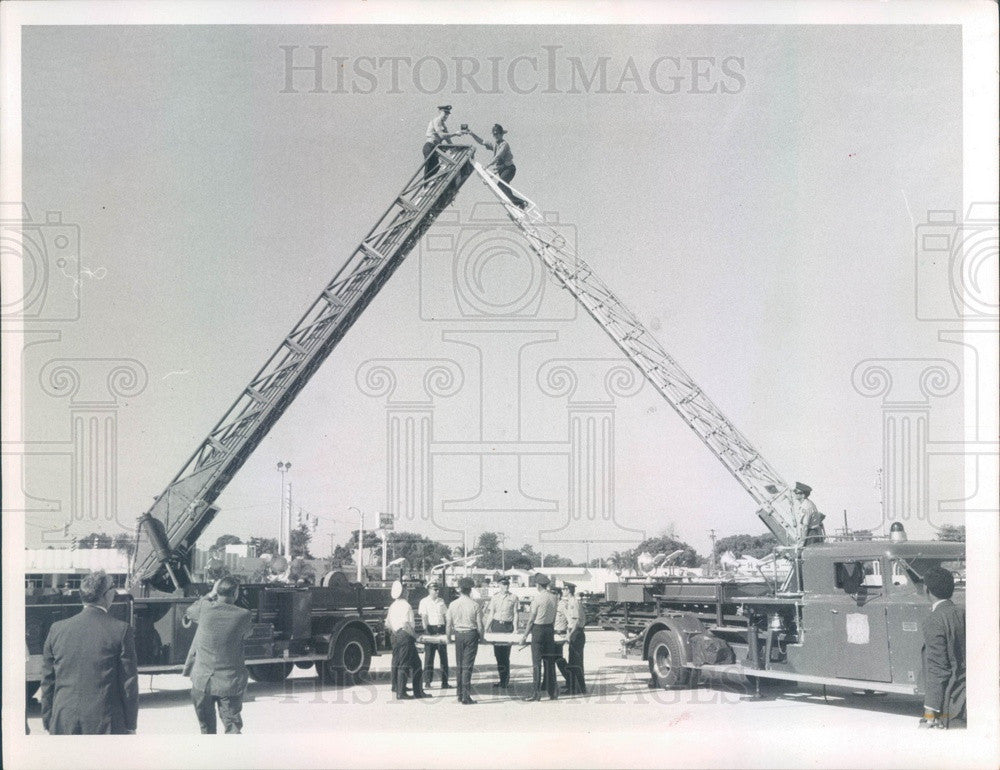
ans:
(59, 570)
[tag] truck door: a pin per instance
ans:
(859, 626)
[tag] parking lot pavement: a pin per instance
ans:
(619, 697)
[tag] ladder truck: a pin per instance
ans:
(848, 614)
(790, 631)
(336, 627)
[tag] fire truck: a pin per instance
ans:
(848, 615)
(336, 627)
(849, 612)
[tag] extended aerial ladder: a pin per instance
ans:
(737, 454)
(168, 530)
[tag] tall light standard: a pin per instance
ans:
(361, 538)
(283, 468)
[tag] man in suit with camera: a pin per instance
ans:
(89, 680)
(943, 653)
(215, 661)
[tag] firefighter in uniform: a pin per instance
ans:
(432, 610)
(810, 520)
(576, 619)
(501, 618)
(465, 624)
(399, 621)
(540, 625)
(559, 628)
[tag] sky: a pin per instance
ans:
(760, 220)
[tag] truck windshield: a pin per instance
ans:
(910, 572)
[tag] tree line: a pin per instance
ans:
(421, 552)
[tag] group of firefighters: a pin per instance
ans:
(556, 617)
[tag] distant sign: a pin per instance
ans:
(386, 521)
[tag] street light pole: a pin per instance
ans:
(385, 543)
(283, 468)
(361, 539)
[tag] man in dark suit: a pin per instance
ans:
(215, 661)
(943, 653)
(89, 680)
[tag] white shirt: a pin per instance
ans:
(400, 616)
(432, 610)
(436, 129)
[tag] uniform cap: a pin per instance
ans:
(803, 488)
(433, 584)
(542, 580)
(504, 581)
(445, 107)
(397, 589)
(569, 585)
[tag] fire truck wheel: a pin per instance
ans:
(351, 659)
(666, 661)
(270, 672)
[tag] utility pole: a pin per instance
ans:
(712, 563)
(385, 548)
(288, 529)
(503, 541)
(361, 538)
(332, 547)
(283, 468)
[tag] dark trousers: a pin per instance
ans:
(560, 663)
(576, 682)
(442, 652)
(543, 653)
(431, 162)
(229, 707)
(502, 651)
(405, 664)
(506, 174)
(466, 647)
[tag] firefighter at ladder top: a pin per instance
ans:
(502, 163)
(810, 520)
(437, 132)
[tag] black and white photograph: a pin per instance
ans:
(529, 384)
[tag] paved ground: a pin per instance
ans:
(619, 700)
(618, 690)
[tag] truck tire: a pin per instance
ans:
(666, 661)
(270, 672)
(350, 661)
